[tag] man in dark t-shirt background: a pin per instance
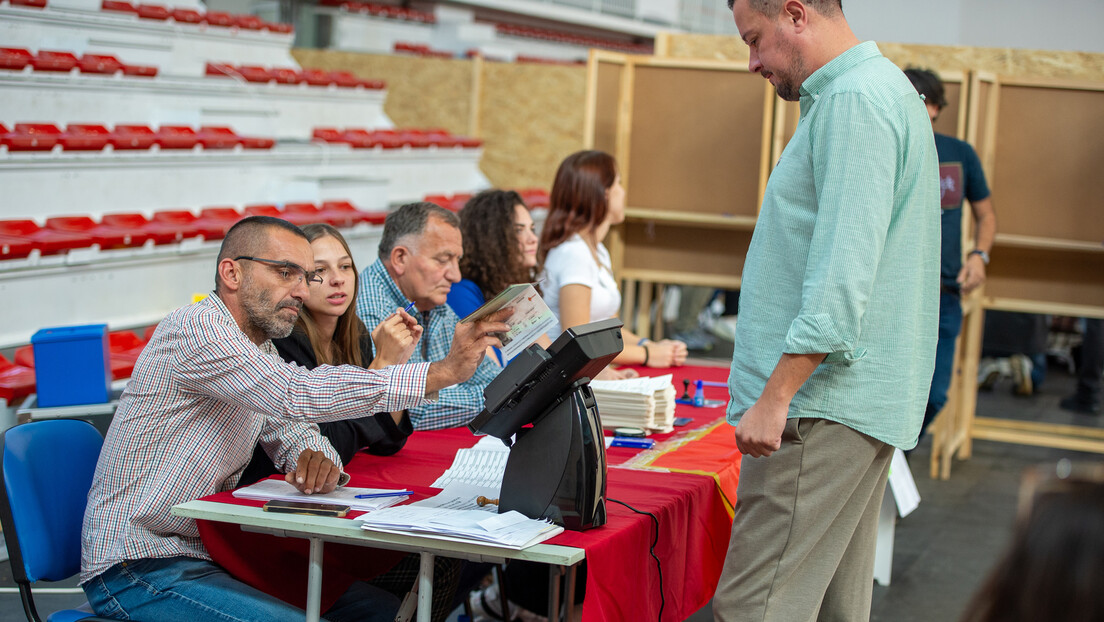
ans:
(960, 178)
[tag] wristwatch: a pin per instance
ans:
(984, 255)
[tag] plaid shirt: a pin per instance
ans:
(377, 297)
(201, 397)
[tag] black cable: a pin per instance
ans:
(651, 551)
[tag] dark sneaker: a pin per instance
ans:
(1080, 404)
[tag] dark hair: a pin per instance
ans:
(928, 84)
(578, 200)
(249, 236)
(768, 7)
(345, 343)
(491, 258)
(410, 219)
(1054, 569)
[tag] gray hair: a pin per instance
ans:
(410, 220)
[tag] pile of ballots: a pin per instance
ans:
(645, 403)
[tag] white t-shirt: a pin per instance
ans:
(571, 263)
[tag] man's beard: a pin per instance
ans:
(266, 317)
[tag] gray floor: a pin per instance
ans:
(943, 549)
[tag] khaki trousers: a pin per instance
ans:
(803, 538)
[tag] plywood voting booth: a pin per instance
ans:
(1040, 141)
(693, 139)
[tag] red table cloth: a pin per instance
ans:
(622, 578)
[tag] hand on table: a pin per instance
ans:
(314, 473)
(616, 373)
(666, 353)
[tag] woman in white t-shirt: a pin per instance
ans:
(587, 199)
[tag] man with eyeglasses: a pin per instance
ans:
(208, 387)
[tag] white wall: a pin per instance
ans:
(1030, 24)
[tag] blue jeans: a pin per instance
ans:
(184, 588)
(950, 324)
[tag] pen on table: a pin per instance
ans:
(376, 495)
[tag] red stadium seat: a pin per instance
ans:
(344, 78)
(15, 58)
(49, 60)
(345, 214)
(16, 381)
(255, 73)
(83, 137)
(107, 236)
(328, 134)
(262, 209)
(359, 138)
(302, 213)
(256, 142)
(38, 4)
(160, 233)
(278, 27)
(286, 75)
(99, 63)
(132, 137)
(187, 16)
(249, 22)
(14, 248)
(24, 356)
(153, 11)
(118, 6)
(317, 77)
(123, 350)
(219, 18)
(176, 137)
(140, 71)
(31, 137)
(221, 70)
(182, 220)
(214, 222)
(217, 137)
(47, 242)
(147, 334)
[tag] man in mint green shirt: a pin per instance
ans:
(835, 341)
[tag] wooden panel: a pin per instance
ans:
(980, 130)
(696, 139)
(607, 92)
(702, 250)
(948, 121)
(1047, 179)
(531, 117)
(1045, 275)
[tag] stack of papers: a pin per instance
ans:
(645, 403)
(510, 530)
(269, 489)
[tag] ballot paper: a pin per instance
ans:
(461, 496)
(511, 529)
(482, 465)
(269, 489)
(531, 317)
(647, 403)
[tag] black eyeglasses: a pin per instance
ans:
(289, 272)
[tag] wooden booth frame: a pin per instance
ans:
(693, 140)
(1048, 255)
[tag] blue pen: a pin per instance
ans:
(636, 443)
(409, 307)
(377, 495)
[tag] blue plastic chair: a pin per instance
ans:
(47, 467)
